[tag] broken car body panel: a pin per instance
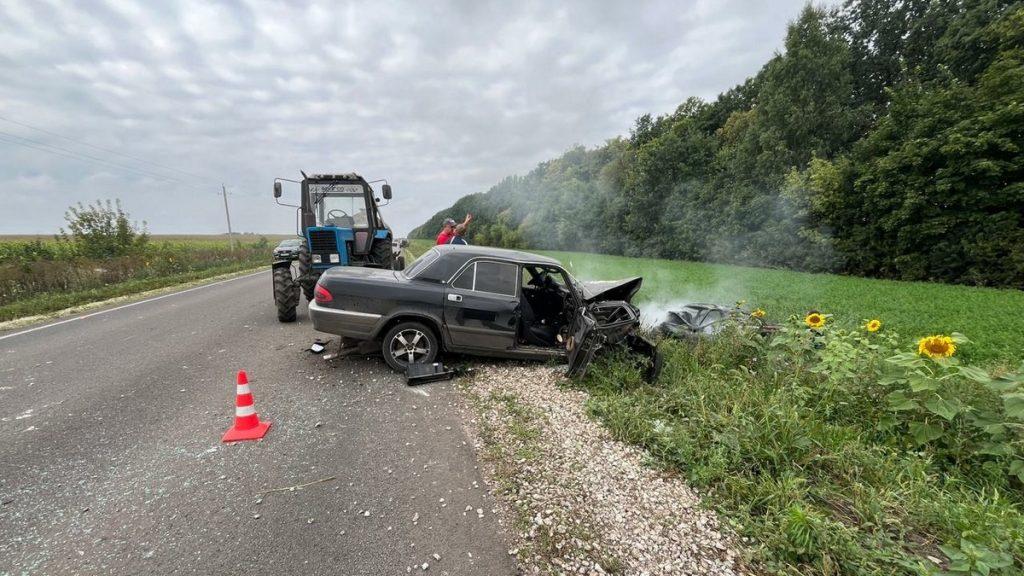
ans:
(483, 301)
(611, 289)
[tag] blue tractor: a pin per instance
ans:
(340, 224)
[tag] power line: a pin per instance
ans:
(97, 159)
(83, 143)
(43, 147)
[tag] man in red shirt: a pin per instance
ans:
(450, 229)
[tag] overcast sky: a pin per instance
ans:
(442, 99)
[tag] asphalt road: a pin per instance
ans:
(111, 460)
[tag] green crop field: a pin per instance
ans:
(993, 319)
(41, 274)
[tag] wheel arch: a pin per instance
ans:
(412, 316)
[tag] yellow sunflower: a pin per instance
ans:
(815, 320)
(759, 313)
(936, 346)
(873, 325)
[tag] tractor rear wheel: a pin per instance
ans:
(305, 260)
(382, 253)
(286, 294)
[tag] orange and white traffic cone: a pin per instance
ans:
(247, 423)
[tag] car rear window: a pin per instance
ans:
(421, 263)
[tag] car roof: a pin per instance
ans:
(466, 252)
(452, 257)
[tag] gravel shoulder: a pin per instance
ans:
(576, 500)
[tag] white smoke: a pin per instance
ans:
(662, 291)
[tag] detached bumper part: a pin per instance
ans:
(423, 373)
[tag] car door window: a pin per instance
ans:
(496, 278)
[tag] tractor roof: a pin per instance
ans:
(349, 176)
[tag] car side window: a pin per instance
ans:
(465, 280)
(497, 278)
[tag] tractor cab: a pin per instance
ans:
(341, 222)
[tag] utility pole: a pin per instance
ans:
(227, 214)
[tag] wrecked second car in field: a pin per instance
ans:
(479, 301)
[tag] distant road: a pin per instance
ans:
(111, 461)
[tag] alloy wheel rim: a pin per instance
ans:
(409, 346)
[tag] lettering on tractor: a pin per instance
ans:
(339, 224)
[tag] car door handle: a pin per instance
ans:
(455, 297)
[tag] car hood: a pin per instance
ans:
(611, 289)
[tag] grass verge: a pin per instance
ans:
(55, 301)
(811, 446)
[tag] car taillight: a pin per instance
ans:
(321, 295)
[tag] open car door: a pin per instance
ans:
(584, 341)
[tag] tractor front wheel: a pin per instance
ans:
(286, 294)
(305, 265)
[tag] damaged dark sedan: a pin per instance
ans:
(479, 301)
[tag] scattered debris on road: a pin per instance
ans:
(584, 503)
(319, 346)
(295, 487)
(423, 373)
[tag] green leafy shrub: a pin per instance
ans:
(103, 230)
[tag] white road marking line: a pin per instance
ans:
(122, 307)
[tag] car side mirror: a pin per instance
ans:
(277, 189)
(386, 190)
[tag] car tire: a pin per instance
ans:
(286, 294)
(406, 336)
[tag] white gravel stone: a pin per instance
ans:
(595, 506)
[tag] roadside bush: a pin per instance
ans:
(102, 230)
(837, 451)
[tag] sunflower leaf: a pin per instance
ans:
(974, 373)
(1013, 404)
(898, 402)
(924, 432)
(920, 383)
(941, 407)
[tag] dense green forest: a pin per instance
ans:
(884, 140)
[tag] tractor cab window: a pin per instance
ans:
(341, 205)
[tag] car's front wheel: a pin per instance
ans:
(409, 343)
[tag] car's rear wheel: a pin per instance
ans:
(409, 343)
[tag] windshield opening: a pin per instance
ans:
(341, 205)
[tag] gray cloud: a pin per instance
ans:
(442, 99)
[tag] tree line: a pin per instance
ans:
(885, 140)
